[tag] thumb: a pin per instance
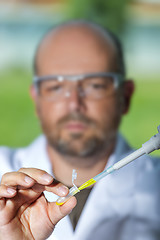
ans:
(56, 213)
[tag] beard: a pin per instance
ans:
(85, 144)
(77, 146)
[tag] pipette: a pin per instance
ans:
(151, 145)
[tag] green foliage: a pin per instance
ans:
(109, 14)
(19, 125)
(144, 116)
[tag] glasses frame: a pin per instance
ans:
(117, 77)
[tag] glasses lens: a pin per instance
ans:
(98, 87)
(93, 87)
(52, 89)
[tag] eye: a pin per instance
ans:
(99, 86)
(54, 88)
(97, 83)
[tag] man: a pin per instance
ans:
(80, 94)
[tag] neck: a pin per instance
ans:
(86, 168)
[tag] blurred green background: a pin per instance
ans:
(136, 23)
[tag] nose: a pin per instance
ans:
(73, 98)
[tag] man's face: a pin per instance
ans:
(77, 126)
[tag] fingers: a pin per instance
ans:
(21, 194)
(30, 178)
(67, 207)
(11, 182)
(7, 192)
(22, 188)
(45, 181)
(38, 175)
(17, 179)
(56, 212)
(26, 178)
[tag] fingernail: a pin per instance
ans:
(63, 190)
(28, 180)
(11, 190)
(48, 178)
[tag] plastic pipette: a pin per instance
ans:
(151, 145)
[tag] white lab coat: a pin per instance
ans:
(123, 206)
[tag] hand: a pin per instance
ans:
(24, 211)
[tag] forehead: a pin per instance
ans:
(75, 50)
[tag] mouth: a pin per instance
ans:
(76, 126)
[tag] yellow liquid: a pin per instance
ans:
(87, 184)
(59, 204)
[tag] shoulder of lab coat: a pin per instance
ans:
(34, 155)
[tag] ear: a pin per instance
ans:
(33, 92)
(128, 90)
(34, 95)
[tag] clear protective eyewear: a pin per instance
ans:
(92, 86)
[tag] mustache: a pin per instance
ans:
(76, 116)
